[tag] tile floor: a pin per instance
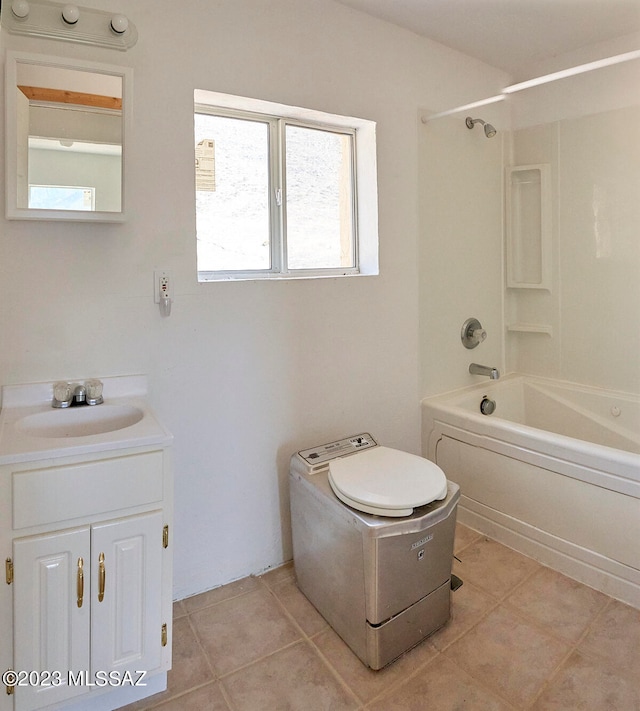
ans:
(521, 637)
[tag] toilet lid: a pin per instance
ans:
(386, 482)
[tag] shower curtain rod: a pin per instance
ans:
(537, 81)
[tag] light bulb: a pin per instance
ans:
(20, 8)
(70, 14)
(119, 24)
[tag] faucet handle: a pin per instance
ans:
(94, 391)
(472, 333)
(62, 394)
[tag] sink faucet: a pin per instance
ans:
(476, 369)
(70, 395)
(79, 395)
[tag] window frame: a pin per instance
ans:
(277, 123)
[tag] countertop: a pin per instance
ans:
(20, 401)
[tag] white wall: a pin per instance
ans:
(461, 273)
(246, 373)
(594, 304)
(587, 129)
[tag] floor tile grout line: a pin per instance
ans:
(335, 673)
(511, 590)
(403, 680)
(604, 662)
(576, 650)
(220, 677)
(407, 678)
(308, 639)
(483, 615)
(170, 699)
(226, 696)
(495, 603)
(499, 604)
(541, 627)
(457, 551)
(552, 675)
(506, 600)
(194, 629)
(494, 692)
(283, 608)
(422, 668)
(608, 603)
(244, 667)
(599, 659)
(512, 703)
(573, 646)
(213, 678)
(218, 602)
(327, 662)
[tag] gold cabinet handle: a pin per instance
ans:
(80, 578)
(102, 576)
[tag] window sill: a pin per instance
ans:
(207, 278)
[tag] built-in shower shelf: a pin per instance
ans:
(530, 328)
(528, 226)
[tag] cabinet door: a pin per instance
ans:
(51, 620)
(126, 619)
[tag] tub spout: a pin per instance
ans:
(476, 369)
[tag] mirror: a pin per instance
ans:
(66, 124)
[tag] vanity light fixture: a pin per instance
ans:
(68, 22)
(20, 8)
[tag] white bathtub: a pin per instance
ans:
(554, 472)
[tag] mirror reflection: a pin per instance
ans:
(66, 129)
(69, 128)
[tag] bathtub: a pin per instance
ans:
(554, 472)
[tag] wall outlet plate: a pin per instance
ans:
(163, 284)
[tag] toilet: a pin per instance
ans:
(386, 482)
(372, 530)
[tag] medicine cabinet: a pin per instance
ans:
(528, 227)
(67, 124)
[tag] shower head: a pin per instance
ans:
(489, 130)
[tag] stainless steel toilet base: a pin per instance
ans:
(396, 636)
(382, 584)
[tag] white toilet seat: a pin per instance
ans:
(386, 482)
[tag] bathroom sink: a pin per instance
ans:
(80, 421)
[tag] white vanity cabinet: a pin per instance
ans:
(88, 599)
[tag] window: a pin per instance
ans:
(61, 197)
(276, 193)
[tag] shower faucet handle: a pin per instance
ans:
(479, 335)
(472, 333)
